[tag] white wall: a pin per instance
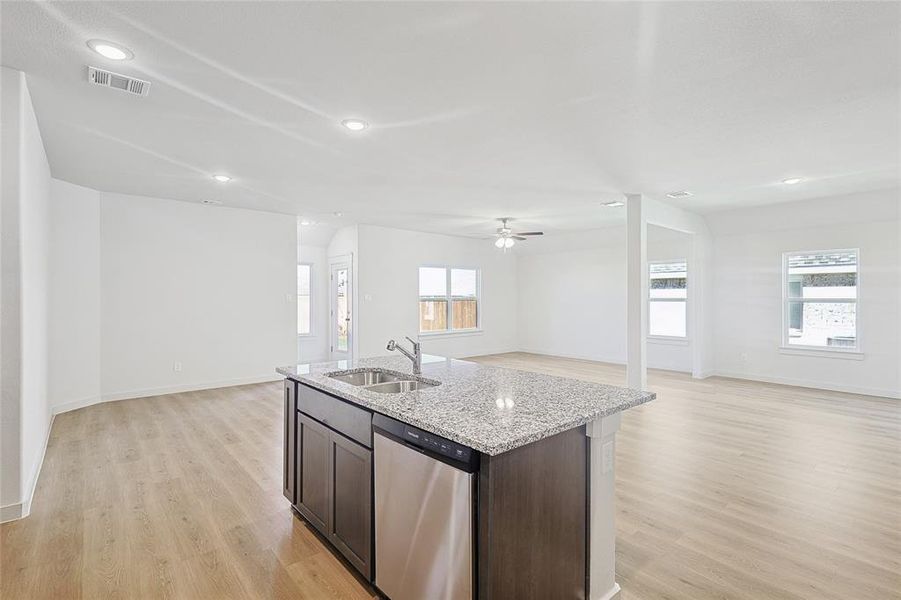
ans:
(573, 302)
(388, 290)
(748, 297)
(139, 284)
(74, 296)
(23, 322)
(209, 287)
(314, 347)
(584, 274)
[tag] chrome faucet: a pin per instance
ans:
(415, 356)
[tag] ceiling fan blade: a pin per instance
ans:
(519, 237)
(529, 233)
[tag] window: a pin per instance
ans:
(668, 299)
(820, 299)
(448, 299)
(304, 304)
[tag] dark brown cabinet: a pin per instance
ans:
(288, 482)
(351, 524)
(313, 473)
(334, 474)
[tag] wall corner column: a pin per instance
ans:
(637, 292)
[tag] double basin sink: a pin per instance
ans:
(380, 381)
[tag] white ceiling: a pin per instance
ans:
(535, 111)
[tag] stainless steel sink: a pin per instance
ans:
(365, 378)
(398, 387)
(382, 382)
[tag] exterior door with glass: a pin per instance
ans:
(340, 317)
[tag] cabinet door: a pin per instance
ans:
(313, 466)
(351, 525)
(290, 451)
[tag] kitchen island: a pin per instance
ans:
(537, 449)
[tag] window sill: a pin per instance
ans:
(457, 333)
(306, 335)
(668, 341)
(821, 352)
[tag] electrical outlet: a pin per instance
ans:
(607, 457)
(176, 366)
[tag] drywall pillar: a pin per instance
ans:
(636, 292)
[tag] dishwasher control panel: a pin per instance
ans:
(443, 449)
(432, 442)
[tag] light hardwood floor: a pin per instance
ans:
(725, 489)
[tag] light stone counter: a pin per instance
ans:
(490, 409)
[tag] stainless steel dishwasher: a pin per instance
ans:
(424, 514)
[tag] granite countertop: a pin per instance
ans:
(489, 409)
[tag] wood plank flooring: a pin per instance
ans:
(725, 489)
(737, 489)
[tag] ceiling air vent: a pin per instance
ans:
(138, 87)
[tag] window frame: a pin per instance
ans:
(311, 333)
(674, 339)
(450, 331)
(805, 349)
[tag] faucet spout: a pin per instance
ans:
(415, 356)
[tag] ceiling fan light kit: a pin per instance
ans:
(506, 237)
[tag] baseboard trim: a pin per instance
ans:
(467, 355)
(161, 391)
(75, 405)
(10, 512)
(33, 484)
(612, 593)
(601, 359)
(20, 510)
(814, 385)
(191, 387)
(609, 361)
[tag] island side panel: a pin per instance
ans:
(533, 521)
(602, 526)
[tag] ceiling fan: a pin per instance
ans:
(506, 237)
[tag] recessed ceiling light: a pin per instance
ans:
(792, 180)
(679, 194)
(110, 50)
(614, 204)
(355, 124)
(338, 214)
(222, 178)
(306, 222)
(211, 202)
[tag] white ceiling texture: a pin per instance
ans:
(479, 110)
